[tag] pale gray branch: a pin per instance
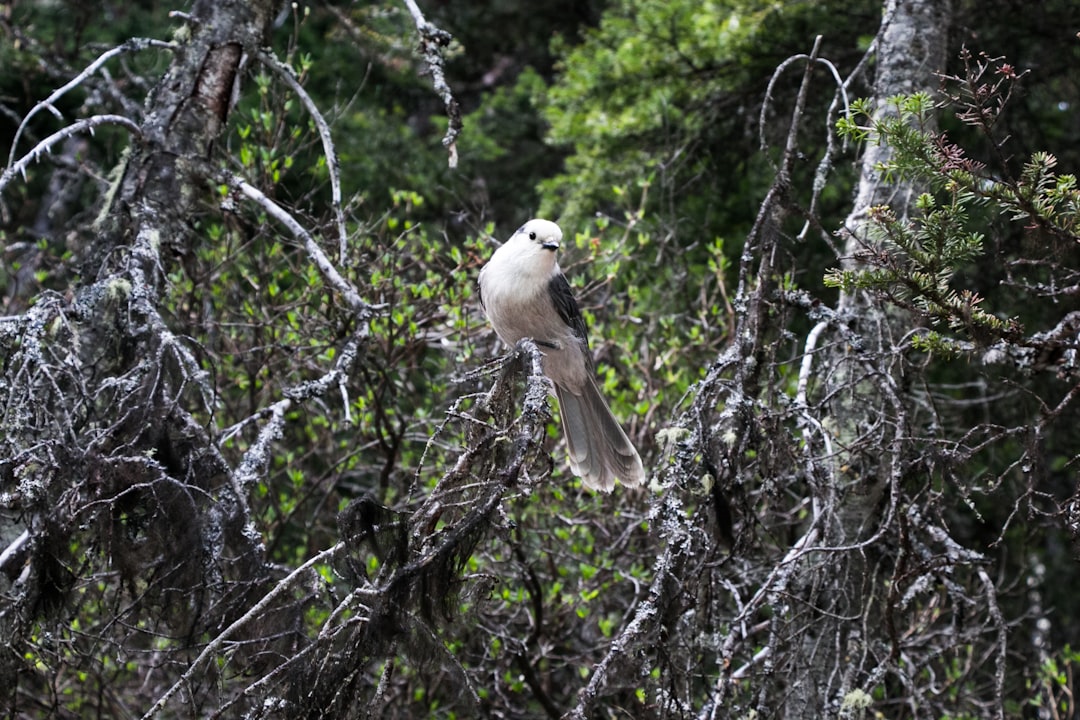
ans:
(46, 145)
(286, 73)
(133, 45)
(254, 612)
(330, 273)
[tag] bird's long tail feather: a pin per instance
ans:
(599, 449)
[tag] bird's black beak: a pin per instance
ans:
(553, 246)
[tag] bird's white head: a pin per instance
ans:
(542, 234)
(526, 260)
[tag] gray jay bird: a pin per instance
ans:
(525, 295)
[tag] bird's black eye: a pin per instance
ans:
(532, 236)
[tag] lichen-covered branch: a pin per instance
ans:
(432, 42)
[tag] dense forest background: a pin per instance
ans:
(261, 455)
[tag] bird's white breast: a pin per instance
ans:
(515, 286)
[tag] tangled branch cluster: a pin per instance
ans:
(205, 503)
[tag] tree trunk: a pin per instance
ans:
(866, 418)
(108, 452)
